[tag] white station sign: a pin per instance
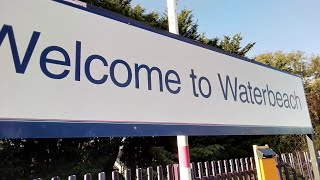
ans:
(69, 70)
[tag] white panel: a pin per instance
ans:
(33, 95)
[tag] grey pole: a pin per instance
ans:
(313, 156)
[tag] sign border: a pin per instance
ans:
(28, 128)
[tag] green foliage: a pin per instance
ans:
(205, 153)
(145, 151)
(294, 62)
(288, 143)
(32, 158)
(161, 156)
(230, 147)
(308, 68)
(188, 27)
(233, 45)
(119, 6)
(313, 98)
(317, 136)
(314, 67)
(229, 44)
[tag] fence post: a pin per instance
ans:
(226, 169)
(176, 172)
(200, 169)
(219, 168)
(72, 177)
(246, 160)
(169, 172)
(160, 172)
(284, 158)
(214, 168)
(232, 170)
(243, 168)
(239, 173)
(313, 156)
(115, 175)
(252, 163)
(308, 162)
(87, 177)
(252, 168)
(149, 173)
(292, 163)
(193, 171)
(300, 164)
(225, 166)
(207, 169)
(127, 174)
(139, 174)
(102, 176)
(283, 164)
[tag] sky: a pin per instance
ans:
(274, 25)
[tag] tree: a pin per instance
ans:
(313, 98)
(188, 27)
(308, 68)
(314, 67)
(294, 62)
(118, 6)
(232, 45)
(45, 158)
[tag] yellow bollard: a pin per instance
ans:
(268, 169)
(266, 163)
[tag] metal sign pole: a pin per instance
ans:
(184, 157)
(313, 156)
(182, 141)
(172, 16)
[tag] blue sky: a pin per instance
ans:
(273, 24)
